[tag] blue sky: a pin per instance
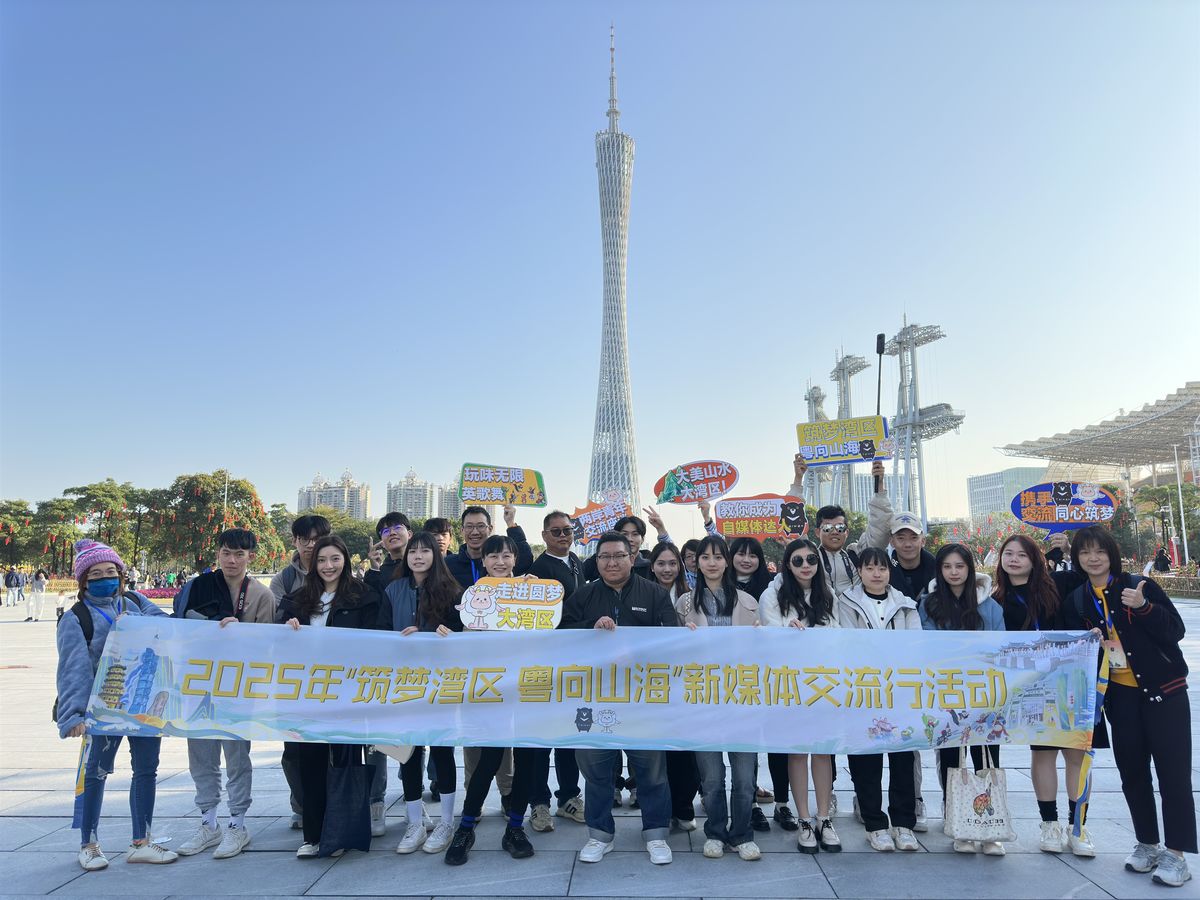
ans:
(285, 237)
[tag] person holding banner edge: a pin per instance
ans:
(621, 597)
(330, 597)
(1146, 703)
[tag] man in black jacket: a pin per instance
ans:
(912, 564)
(621, 599)
(559, 564)
(467, 564)
(393, 531)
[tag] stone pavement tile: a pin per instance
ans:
(39, 873)
(19, 833)
(62, 803)
(571, 837)
(9, 800)
(487, 873)
(934, 875)
(116, 831)
(1105, 833)
(1108, 871)
(260, 874)
(691, 875)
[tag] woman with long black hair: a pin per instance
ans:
(799, 598)
(330, 596)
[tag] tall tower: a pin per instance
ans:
(614, 459)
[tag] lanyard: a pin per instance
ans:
(241, 600)
(474, 571)
(1108, 622)
(1037, 626)
(829, 566)
(105, 616)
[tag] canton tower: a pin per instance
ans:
(614, 459)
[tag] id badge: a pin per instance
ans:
(1116, 655)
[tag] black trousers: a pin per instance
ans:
(948, 759)
(777, 765)
(566, 771)
(683, 778)
(312, 763)
(524, 763)
(1145, 730)
(866, 771)
(412, 776)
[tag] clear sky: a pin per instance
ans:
(284, 237)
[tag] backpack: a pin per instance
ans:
(289, 577)
(88, 627)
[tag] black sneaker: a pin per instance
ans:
(516, 843)
(460, 846)
(758, 821)
(784, 818)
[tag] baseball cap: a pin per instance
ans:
(906, 520)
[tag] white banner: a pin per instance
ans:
(765, 689)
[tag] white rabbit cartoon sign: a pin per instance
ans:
(511, 604)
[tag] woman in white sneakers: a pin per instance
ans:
(873, 603)
(799, 598)
(716, 602)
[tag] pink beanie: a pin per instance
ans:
(89, 553)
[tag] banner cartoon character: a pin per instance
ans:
(480, 602)
(606, 720)
(583, 718)
(675, 484)
(791, 517)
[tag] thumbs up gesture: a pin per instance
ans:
(1135, 599)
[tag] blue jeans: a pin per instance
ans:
(379, 777)
(650, 769)
(102, 754)
(731, 823)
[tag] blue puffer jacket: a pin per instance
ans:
(78, 661)
(989, 610)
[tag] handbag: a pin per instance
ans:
(347, 823)
(977, 802)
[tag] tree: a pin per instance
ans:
(55, 532)
(1153, 504)
(101, 507)
(16, 517)
(281, 520)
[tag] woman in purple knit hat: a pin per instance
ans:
(81, 635)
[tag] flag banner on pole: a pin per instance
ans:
(768, 689)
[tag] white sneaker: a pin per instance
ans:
(684, 824)
(540, 819)
(200, 840)
(440, 839)
(857, 812)
(92, 859)
(965, 847)
(881, 841)
(233, 842)
(992, 848)
(594, 851)
(1051, 839)
(922, 819)
(714, 849)
(1143, 858)
(660, 853)
(151, 853)
(748, 851)
(309, 851)
(297, 822)
(1081, 846)
(1172, 870)
(572, 809)
(904, 840)
(414, 837)
(378, 820)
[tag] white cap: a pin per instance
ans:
(902, 521)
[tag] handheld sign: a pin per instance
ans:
(597, 517)
(761, 516)
(498, 484)
(511, 604)
(840, 441)
(695, 481)
(1063, 505)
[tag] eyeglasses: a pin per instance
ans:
(561, 532)
(607, 558)
(810, 560)
(834, 529)
(480, 527)
(307, 540)
(393, 529)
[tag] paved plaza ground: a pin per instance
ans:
(38, 846)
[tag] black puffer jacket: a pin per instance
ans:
(1149, 636)
(361, 612)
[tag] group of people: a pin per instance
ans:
(28, 588)
(885, 581)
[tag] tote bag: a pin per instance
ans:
(347, 824)
(977, 803)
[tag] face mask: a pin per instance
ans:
(103, 587)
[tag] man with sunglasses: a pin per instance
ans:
(393, 531)
(559, 564)
(621, 599)
(839, 557)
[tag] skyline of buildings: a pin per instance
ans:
(993, 492)
(614, 454)
(345, 495)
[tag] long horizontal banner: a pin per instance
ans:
(817, 690)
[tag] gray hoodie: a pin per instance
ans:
(78, 660)
(289, 578)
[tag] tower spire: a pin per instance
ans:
(613, 113)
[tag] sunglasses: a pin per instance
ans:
(834, 529)
(810, 560)
(560, 532)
